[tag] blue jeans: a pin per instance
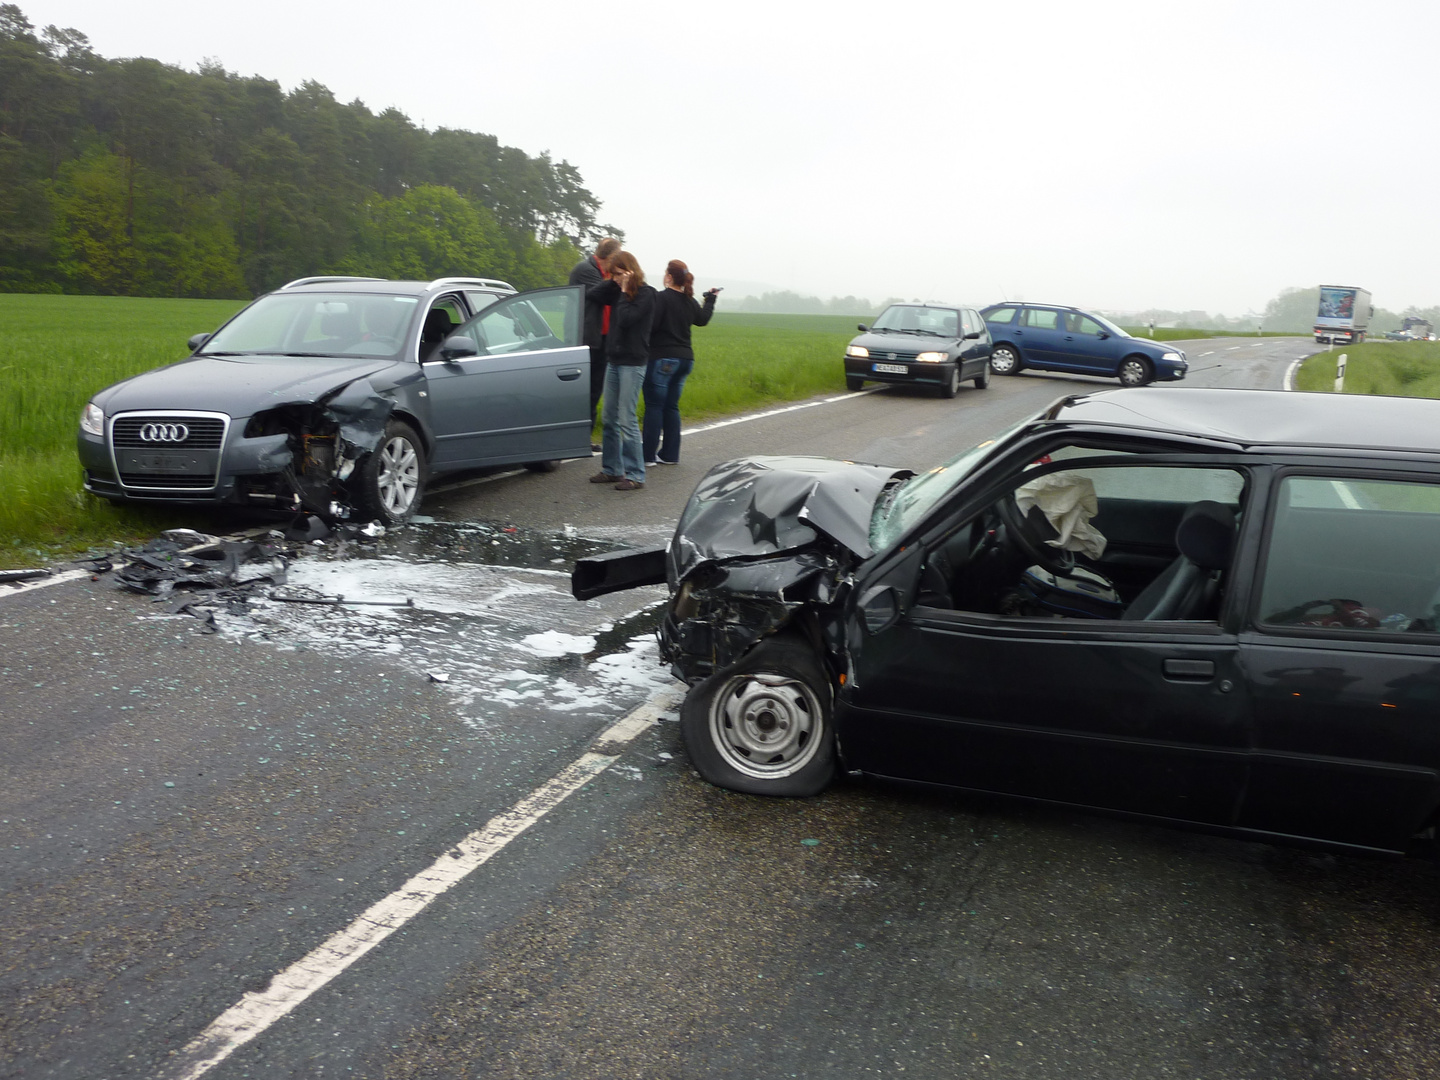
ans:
(620, 439)
(664, 381)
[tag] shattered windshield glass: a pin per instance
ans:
(911, 501)
(368, 325)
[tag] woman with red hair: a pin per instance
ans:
(671, 360)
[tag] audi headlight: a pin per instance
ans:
(933, 357)
(858, 351)
(92, 420)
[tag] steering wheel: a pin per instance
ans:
(1017, 525)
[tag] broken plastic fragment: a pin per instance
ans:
(373, 529)
(438, 676)
(23, 575)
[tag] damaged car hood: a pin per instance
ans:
(240, 386)
(760, 506)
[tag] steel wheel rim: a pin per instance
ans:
(399, 475)
(1002, 361)
(766, 726)
(1132, 373)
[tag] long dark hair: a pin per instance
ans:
(680, 275)
(624, 261)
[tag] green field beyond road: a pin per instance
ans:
(57, 351)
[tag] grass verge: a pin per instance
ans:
(1392, 369)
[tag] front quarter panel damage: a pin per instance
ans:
(300, 454)
(765, 543)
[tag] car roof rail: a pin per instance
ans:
(485, 282)
(326, 280)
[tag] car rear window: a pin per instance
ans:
(1001, 315)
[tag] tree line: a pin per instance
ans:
(133, 177)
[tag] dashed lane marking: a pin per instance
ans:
(255, 1012)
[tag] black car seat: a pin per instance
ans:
(436, 329)
(1190, 586)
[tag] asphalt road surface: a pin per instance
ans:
(286, 850)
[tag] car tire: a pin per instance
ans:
(763, 725)
(853, 383)
(951, 386)
(1005, 361)
(983, 379)
(1134, 371)
(542, 466)
(390, 481)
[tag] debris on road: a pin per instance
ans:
(17, 576)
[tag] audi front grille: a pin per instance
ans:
(168, 451)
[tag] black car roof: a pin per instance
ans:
(1265, 417)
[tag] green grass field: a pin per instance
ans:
(1395, 369)
(56, 351)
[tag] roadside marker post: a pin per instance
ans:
(1340, 374)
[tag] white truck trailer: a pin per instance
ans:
(1344, 314)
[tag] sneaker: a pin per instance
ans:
(630, 485)
(596, 447)
(604, 478)
(649, 463)
(662, 461)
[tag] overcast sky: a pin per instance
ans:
(1115, 155)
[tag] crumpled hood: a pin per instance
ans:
(753, 507)
(240, 386)
(882, 342)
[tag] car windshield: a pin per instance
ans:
(1108, 325)
(914, 319)
(317, 324)
(911, 501)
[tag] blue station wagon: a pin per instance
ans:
(1048, 337)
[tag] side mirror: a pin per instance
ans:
(1102, 335)
(974, 335)
(879, 608)
(458, 347)
(196, 340)
(862, 328)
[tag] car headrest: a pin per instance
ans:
(437, 325)
(1206, 535)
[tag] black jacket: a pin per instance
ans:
(587, 273)
(629, 339)
(675, 314)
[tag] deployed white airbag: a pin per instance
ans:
(1068, 502)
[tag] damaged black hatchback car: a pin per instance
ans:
(1216, 608)
(342, 396)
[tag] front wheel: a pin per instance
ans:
(1005, 361)
(390, 482)
(983, 379)
(542, 466)
(951, 386)
(763, 725)
(853, 383)
(1134, 371)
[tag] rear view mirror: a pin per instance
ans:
(879, 608)
(973, 335)
(1102, 335)
(196, 340)
(458, 346)
(862, 328)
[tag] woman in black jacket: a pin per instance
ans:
(627, 350)
(671, 360)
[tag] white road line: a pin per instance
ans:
(1232, 348)
(1207, 353)
(45, 583)
(255, 1012)
(1290, 373)
(779, 412)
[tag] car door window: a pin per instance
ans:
(1079, 324)
(1041, 318)
(544, 319)
(1348, 554)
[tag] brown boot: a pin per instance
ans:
(630, 485)
(604, 478)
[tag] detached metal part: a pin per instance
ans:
(760, 539)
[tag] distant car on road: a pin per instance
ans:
(1219, 608)
(335, 396)
(1048, 337)
(925, 344)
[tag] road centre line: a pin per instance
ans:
(779, 412)
(255, 1012)
(45, 583)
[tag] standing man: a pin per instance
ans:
(590, 271)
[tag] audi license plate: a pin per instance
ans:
(890, 369)
(172, 462)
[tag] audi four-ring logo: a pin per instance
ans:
(164, 433)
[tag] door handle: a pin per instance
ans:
(568, 374)
(1189, 670)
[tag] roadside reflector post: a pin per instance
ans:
(1340, 374)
